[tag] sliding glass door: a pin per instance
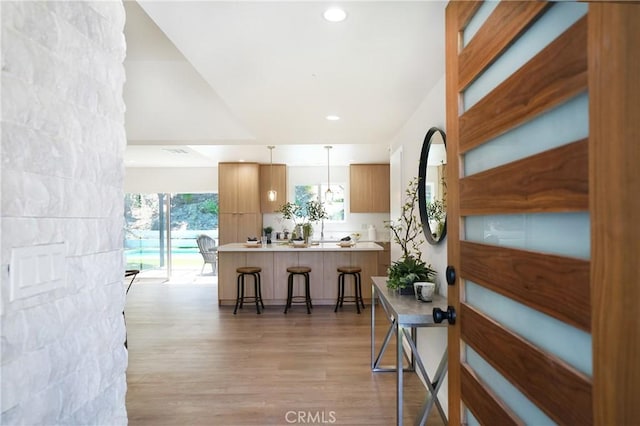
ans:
(161, 231)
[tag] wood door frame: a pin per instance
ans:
(614, 157)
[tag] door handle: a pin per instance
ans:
(439, 315)
(450, 275)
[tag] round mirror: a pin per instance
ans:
(432, 189)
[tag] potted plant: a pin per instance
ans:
(303, 216)
(407, 233)
(267, 233)
(406, 271)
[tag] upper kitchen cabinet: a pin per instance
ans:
(369, 188)
(238, 187)
(239, 202)
(277, 182)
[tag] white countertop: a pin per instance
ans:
(361, 246)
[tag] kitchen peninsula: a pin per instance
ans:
(274, 259)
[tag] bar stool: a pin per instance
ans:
(304, 272)
(355, 272)
(253, 271)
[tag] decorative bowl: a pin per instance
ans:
(297, 243)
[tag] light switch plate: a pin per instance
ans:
(36, 269)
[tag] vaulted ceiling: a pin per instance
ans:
(211, 81)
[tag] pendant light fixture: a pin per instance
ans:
(272, 195)
(328, 195)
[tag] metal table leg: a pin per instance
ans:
(399, 375)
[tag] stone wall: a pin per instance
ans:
(63, 141)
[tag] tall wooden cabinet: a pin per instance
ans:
(278, 183)
(239, 202)
(369, 188)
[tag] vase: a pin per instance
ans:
(424, 290)
(307, 231)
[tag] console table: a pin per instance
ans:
(405, 314)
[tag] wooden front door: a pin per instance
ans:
(543, 129)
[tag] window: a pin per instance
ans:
(335, 208)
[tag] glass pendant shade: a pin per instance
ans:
(272, 194)
(328, 195)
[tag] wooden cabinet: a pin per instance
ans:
(237, 227)
(279, 183)
(384, 258)
(239, 202)
(238, 187)
(370, 188)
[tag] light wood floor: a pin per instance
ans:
(194, 363)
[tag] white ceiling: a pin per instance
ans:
(211, 81)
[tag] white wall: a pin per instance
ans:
(431, 113)
(63, 141)
(151, 180)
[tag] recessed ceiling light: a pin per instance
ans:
(332, 118)
(335, 14)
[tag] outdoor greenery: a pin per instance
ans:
(334, 209)
(310, 212)
(188, 211)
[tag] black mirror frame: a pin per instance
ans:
(422, 196)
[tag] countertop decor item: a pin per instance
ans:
(298, 243)
(346, 244)
(268, 230)
(303, 216)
